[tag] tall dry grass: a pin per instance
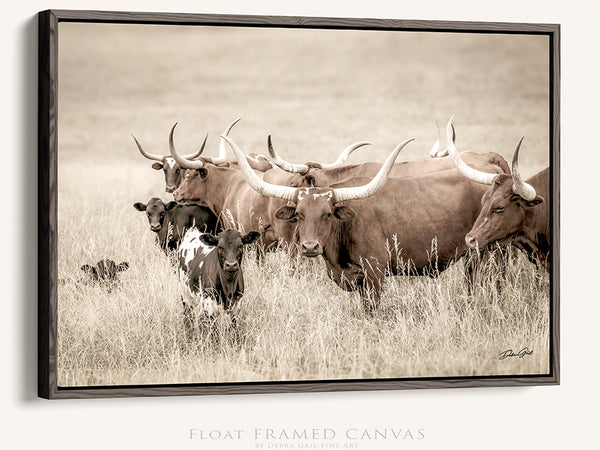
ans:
(316, 92)
(292, 326)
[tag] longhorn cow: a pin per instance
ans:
(316, 174)
(227, 194)
(174, 172)
(513, 211)
(367, 228)
(323, 175)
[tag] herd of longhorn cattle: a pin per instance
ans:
(366, 221)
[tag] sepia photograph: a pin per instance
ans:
(281, 204)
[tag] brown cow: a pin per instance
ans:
(513, 211)
(414, 225)
(173, 172)
(323, 175)
(227, 194)
(224, 190)
(316, 174)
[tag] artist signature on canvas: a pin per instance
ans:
(510, 354)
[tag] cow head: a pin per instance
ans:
(315, 209)
(230, 249)
(172, 170)
(105, 270)
(314, 212)
(156, 210)
(504, 205)
(502, 213)
(193, 186)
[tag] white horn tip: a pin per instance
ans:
(433, 153)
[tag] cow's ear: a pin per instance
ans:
(209, 239)
(285, 213)
(157, 166)
(139, 206)
(169, 206)
(88, 269)
(536, 201)
(344, 213)
(123, 266)
(250, 237)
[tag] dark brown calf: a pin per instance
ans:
(171, 220)
(105, 270)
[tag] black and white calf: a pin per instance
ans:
(210, 272)
(171, 220)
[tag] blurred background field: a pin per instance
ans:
(315, 91)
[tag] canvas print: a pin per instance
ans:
(246, 204)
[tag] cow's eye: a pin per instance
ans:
(499, 209)
(177, 171)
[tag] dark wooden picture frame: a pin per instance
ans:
(48, 202)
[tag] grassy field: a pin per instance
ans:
(316, 92)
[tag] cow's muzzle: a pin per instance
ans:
(155, 228)
(170, 189)
(471, 241)
(311, 249)
(231, 267)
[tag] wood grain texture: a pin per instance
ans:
(299, 387)
(47, 207)
(47, 202)
(555, 189)
(301, 22)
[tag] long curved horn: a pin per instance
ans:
(436, 145)
(146, 155)
(183, 162)
(378, 181)
(344, 155)
(519, 186)
(282, 163)
(463, 168)
(258, 184)
(222, 149)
